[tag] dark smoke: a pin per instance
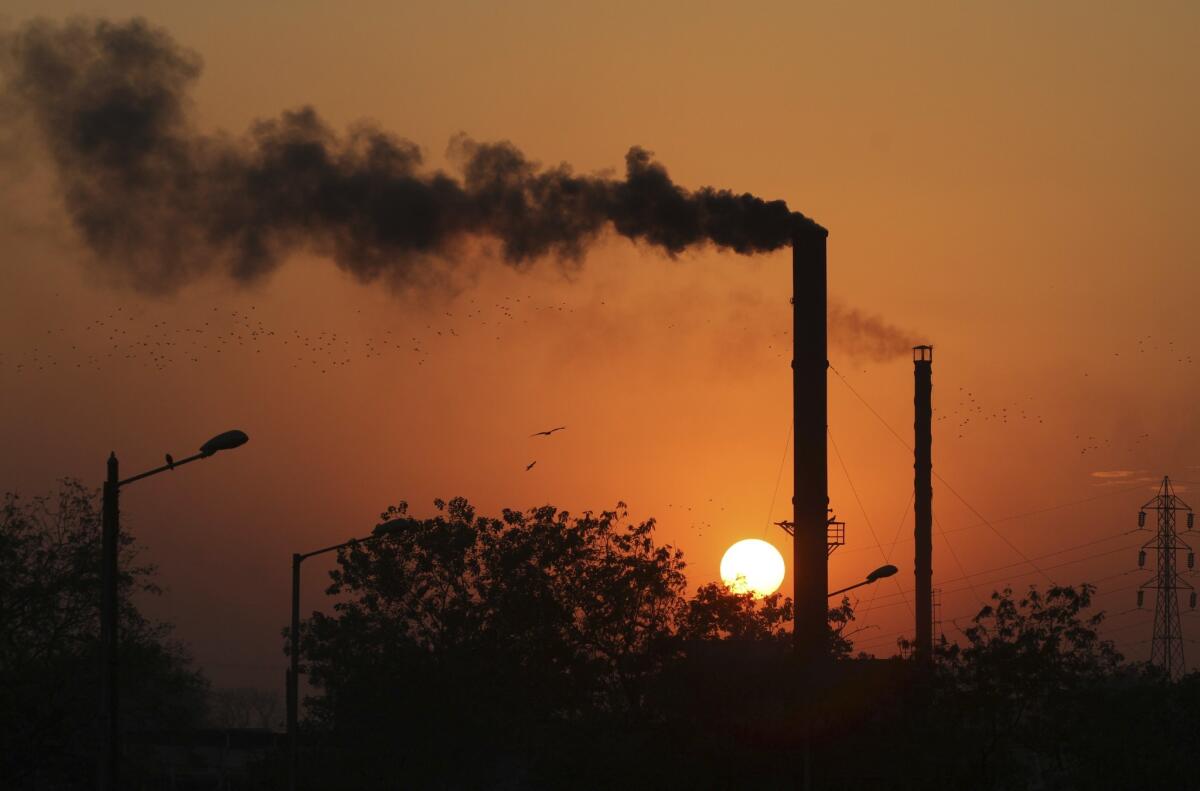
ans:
(864, 337)
(163, 203)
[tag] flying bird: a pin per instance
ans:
(529, 466)
(547, 433)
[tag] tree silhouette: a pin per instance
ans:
(1025, 662)
(717, 613)
(511, 633)
(490, 628)
(1003, 704)
(49, 643)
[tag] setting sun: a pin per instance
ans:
(752, 565)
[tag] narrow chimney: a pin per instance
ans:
(923, 497)
(810, 501)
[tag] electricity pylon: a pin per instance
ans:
(1166, 649)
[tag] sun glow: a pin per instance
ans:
(752, 565)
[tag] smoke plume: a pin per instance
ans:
(864, 337)
(163, 203)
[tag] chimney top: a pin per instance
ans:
(922, 354)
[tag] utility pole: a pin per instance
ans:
(293, 676)
(293, 672)
(1166, 648)
(108, 765)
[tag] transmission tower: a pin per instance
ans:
(1166, 649)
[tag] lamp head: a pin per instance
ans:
(881, 572)
(227, 441)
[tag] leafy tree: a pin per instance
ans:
(840, 618)
(491, 626)
(1006, 701)
(1043, 641)
(717, 613)
(49, 642)
(512, 634)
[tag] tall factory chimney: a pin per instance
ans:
(810, 500)
(923, 498)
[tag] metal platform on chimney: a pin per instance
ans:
(835, 533)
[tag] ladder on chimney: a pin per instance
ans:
(835, 532)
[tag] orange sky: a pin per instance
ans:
(1015, 185)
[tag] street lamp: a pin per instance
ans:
(293, 673)
(877, 574)
(110, 534)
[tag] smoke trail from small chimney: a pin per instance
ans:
(865, 337)
(163, 203)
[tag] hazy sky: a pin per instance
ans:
(1013, 183)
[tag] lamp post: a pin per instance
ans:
(110, 549)
(877, 574)
(293, 672)
(806, 760)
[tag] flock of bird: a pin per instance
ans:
(146, 337)
(1093, 444)
(1145, 344)
(125, 335)
(128, 335)
(692, 513)
(969, 411)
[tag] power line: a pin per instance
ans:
(1008, 580)
(858, 499)
(1128, 626)
(1039, 557)
(778, 477)
(954, 555)
(1024, 514)
(953, 491)
(984, 600)
(984, 520)
(887, 557)
(876, 606)
(883, 639)
(879, 640)
(994, 529)
(871, 408)
(990, 524)
(1102, 593)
